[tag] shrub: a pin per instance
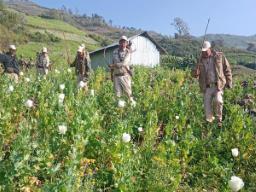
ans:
(43, 37)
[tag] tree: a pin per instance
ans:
(110, 22)
(64, 9)
(181, 26)
(251, 47)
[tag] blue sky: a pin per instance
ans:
(227, 16)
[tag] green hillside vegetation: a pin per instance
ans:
(176, 151)
(23, 29)
(57, 51)
(96, 32)
(233, 41)
(52, 24)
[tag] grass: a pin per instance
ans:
(73, 37)
(41, 23)
(57, 51)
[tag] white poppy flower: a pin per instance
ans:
(21, 73)
(57, 71)
(140, 129)
(126, 138)
(29, 103)
(235, 152)
(177, 117)
(61, 98)
(27, 79)
(236, 183)
(121, 103)
(69, 70)
(92, 92)
(62, 87)
(173, 143)
(62, 129)
(133, 103)
(11, 88)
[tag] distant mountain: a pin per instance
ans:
(104, 32)
(26, 6)
(95, 23)
(232, 41)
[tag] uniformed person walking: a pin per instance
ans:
(214, 73)
(82, 67)
(43, 62)
(10, 63)
(121, 70)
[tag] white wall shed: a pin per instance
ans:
(145, 52)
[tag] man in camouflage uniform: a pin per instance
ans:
(214, 73)
(121, 69)
(82, 67)
(10, 63)
(43, 62)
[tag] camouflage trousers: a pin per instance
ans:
(13, 77)
(213, 99)
(122, 84)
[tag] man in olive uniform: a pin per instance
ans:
(121, 70)
(10, 63)
(82, 67)
(43, 62)
(214, 73)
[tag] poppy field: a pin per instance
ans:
(56, 137)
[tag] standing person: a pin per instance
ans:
(86, 53)
(121, 70)
(10, 63)
(214, 73)
(43, 62)
(82, 67)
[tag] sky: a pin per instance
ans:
(237, 17)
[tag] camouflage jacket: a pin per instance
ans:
(10, 63)
(82, 65)
(222, 69)
(121, 61)
(43, 61)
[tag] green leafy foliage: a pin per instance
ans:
(43, 37)
(178, 62)
(190, 155)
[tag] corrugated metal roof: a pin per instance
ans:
(144, 34)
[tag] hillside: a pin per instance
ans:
(102, 31)
(233, 41)
(30, 33)
(94, 23)
(26, 6)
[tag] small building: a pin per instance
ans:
(145, 52)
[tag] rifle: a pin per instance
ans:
(202, 44)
